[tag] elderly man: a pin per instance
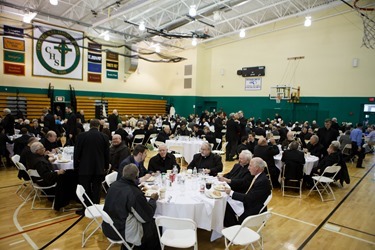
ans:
(132, 214)
(113, 120)
(333, 157)
(239, 178)
(294, 161)
(267, 152)
(165, 134)
(163, 161)
(255, 196)
(289, 139)
(91, 158)
(314, 147)
(50, 142)
(138, 157)
(117, 152)
(206, 160)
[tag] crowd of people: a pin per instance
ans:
(107, 147)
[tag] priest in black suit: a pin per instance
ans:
(206, 160)
(254, 197)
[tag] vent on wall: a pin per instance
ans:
(187, 83)
(188, 70)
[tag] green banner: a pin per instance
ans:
(112, 75)
(11, 56)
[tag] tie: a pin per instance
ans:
(251, 184)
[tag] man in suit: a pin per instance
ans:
(49, 120)
(8, 122)
(206, 160)
(294, 161)
(314, 147)
(138, 158)
(163, 161)
(326, 135)
(266, 152)
(71, 126)
(254, 198)
(232, 136)
(21, 142)
(219, 125)
(239, 178)
(91, 158)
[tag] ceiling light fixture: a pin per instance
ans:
(157, 48)
(142, 26)
(106, 36)
(54, 2)
(307, 21)
(193, 10)
(27, 18)
(217, 16)
(194, 42)
(242, 33)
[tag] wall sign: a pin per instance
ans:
(253, 84)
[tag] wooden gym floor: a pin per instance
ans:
(307, 223)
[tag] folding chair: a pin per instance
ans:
(39, 191)
(178, 232)
(218, 142)
(347, 151)
(26, 182)
(243, 234)
(151, 137)
(325, 182)
(178, 153)
(109, 221)
(269, 176)
(109, 179)
(222, 151)
(266, 202)
(91, 212)
(138, 139)
(287, 171)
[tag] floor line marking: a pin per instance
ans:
(17, 242)
(20, 229)
(291, 218)
(41, 222)
(350, 228)
(350, 236)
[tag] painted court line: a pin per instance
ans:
(20, 229)
(17, 242)
(52, 219)
(350, 236)
(290, 218)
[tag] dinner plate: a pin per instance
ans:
(63, 161)
(220, 188)
(212, 195)
(151, 179)
(149, 192)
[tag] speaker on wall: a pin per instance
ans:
(239, 72)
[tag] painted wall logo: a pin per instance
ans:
(58, 53)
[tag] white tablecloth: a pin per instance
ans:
(190, 147)
(63, 165)
(189, 203)
(311, 161)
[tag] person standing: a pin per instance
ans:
(71, 126)
(326, 135)
(8, 122)
(356, 137)
(91, 157)
(232, 136)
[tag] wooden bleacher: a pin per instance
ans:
(124, 106)
(33, 104)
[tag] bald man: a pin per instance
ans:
(206, 160)
(163, 161)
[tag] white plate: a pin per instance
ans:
(210, 194)
(63, 161)
(220, 188)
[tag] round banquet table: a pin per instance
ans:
(190, 147)
(311, 161)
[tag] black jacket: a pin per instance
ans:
(157, 163)
(294, 161)
(130, 159)
(117, 154)
(240, 178)
(212, 162)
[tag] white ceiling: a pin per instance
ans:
(165, 18)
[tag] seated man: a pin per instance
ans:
(251, 142)
(255, 196)
(50, 142)
(333, 157)
(138, 158)
(289, 139)
(206, 160)
(118, 152)
(162, 161)
(209, 136)
(197, 132)
(314, 147)
(243, 145)
(267, 152)
(239, 178)
(21, 142)
(132, 214)
(165, 134)
(294, 161)
(182, 130)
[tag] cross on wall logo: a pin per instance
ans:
(58, 53)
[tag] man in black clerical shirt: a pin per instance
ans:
(206, 160)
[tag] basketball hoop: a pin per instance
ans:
(368, 19)
(278, 99)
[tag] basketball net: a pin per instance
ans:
(368, 20)
(278, 99)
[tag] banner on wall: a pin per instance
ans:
(13, 31)
(12, 56)
(14, 44)
(57, 52)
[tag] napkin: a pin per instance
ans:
(207, 202)
(237, 206)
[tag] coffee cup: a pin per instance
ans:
(189, 171)
(220, 174)
(169, 171)
(162, 193)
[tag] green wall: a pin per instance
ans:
(348, 109)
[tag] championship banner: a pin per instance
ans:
(112, 74)
(95, 58)
(13, 44)
(112, 65)
(13, 31)
(57, 52)
(11, 56)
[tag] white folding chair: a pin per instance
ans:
(138, 139)
(222, 151)
(158, 143)
(39, 191)
(152, 136)
(25, 183)
(91, 212)
(266, 202)
(109, 179)
(347, 150)
(243, 234)
(109, 221)
(15, 159)
(325, 182)
(178, 153)
(178, 232)
(218, 141)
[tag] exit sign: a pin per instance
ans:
(371, 99)
(59, 98)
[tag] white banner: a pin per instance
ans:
(57, 52)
